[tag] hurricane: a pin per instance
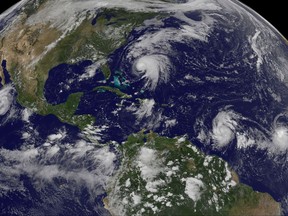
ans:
(153, 69)
(142, 108)
(6, 99)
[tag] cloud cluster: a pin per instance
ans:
(228, 125)
(81, 164)
(223, 128)
(6, 99)
(154, 69)
(280, 138)
(66, 12)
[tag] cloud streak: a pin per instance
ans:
(81, 164)
(223, 128)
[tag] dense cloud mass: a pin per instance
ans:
(203, 69)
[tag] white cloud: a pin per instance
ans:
(9, 16)
(168, 204)
(6, 99)
(26, 114)
(128, 183)
(154, 69)
(147, 114)
(65, 13)
(224, 125)
(91, 70)
(152, 207)
(280, 138)
(258, 50)
(94, 133)
(193, 188)
(80, 163)
(57, 136)
(274, 142)
(170, 123)
(53, 150)
(135, 198)
(145, 109)
(152, 186)
(148, 163)
(244, 141)
(149, 53)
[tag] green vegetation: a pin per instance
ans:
(65, 112)
(94, 42)
(106, 71)
(172, 162)
(88, 40)
(113, 90)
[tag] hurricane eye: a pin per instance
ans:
(154, 69)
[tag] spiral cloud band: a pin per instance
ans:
(6, 99)
(154, 69)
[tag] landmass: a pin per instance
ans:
(31, 50)
(157, 175)
(170, 176)
(113, 90)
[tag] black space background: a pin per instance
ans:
(274, 11)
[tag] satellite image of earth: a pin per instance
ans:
(142, 107)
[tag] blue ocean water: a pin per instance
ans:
(219, 82)
(64, 79)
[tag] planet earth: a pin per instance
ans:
(140, 107)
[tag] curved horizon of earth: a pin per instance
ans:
(140, 107)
